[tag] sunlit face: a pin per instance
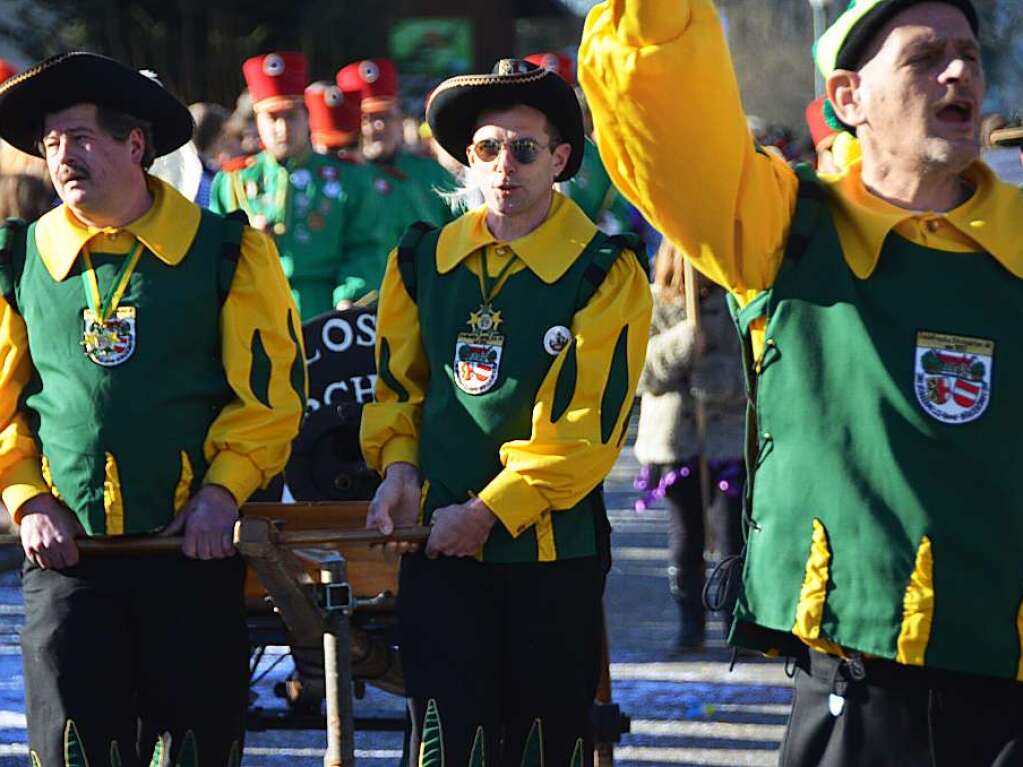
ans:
(918, 96)
(382, 133)
(284, 130)
(87, 165)
(511, 187)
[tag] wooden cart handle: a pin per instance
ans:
(171, 544)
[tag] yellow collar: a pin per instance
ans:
(167, 229)
(990, 218)
(548, 251)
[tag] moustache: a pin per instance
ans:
(70, 172)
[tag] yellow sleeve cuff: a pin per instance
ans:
(514, 501)
(236, 473)
(399, 449)
(22, 482)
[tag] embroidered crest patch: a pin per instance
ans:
(477, 362)
(952, 376)
(112, 341)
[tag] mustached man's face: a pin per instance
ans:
(87, 165)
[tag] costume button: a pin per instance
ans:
(933, 225)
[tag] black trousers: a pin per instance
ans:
(899, 716)
(119, 650)
(687, 534)
(500, 647)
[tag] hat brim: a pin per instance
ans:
(1008, 137)
(455, 106)
(88, 78)
(845, 43)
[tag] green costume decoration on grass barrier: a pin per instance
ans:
(871, 543)
(324, 216)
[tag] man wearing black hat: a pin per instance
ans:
(881, 308)
(153, 379)
(509, 343)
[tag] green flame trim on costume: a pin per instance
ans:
(431, 749)
(74, 749)
(532, 752)
(577, 754)
(115, 754)
(478, 757)
(189, 754)
(161, 751)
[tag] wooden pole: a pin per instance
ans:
(693, 317)
(320, 537)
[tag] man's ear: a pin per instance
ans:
(137, 142)
(560, 156)
(843, 89)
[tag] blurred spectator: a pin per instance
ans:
(682, 367)
(241, 127)
(24, 196)
(334, 119)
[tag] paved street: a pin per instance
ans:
(688, 711)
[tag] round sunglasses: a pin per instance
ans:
(524, 150)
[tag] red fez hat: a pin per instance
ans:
(375, 79)
(558, 63)
(7, 70)
(818, 123)
(334, 116)
(275, 79)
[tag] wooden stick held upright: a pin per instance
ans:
(693, 318)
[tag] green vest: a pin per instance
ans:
(885, 513)
(461, 434)
(322, 214)
(137, 427)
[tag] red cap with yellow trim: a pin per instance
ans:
(558, 63)
(275, 79)
(375, 79)
(334, 116)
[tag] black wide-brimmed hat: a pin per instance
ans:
(79, 77)
(455, 106)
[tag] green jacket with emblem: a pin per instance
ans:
(473, 427)
(324, 216)
(885, 438)
(147, 418)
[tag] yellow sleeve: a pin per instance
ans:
(577, 432)
(21, 475)
(390, 425)
(669, 124)
(264, 360)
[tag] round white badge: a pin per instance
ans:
(273, 65)
(556, 339)
(369, 71)
(332, 96)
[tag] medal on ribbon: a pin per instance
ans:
(478, 352)
(109, 331)
(477, 363)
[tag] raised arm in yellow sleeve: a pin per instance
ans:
(264, 359)
(568, 453)
(21, 475)
(671, 131)
(390, 426)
